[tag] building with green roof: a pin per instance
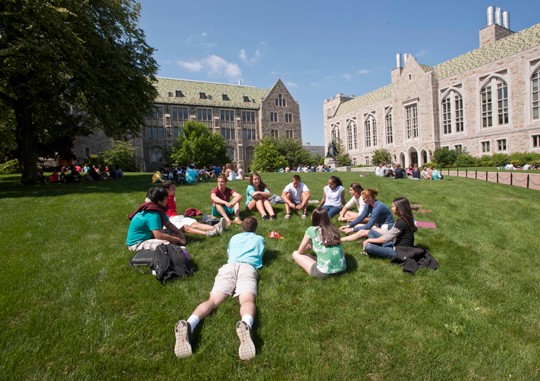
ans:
(243, 115)
(483, 102)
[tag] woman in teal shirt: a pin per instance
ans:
(257, 195)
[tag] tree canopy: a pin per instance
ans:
(267, 156)
(197, 145)
(71, 67)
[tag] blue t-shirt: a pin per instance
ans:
(141, 226)
(246, 247)
(191, 175)
(379, 215)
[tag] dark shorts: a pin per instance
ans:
(320, 275)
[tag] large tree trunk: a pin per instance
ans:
(26, 145)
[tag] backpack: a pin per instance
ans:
(166, 262)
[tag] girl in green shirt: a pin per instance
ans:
(323, 238)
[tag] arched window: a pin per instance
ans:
(335, 131)
(389, 128)
(452, 112)
(494, 99)
(230, 153)
(370, 130)
(535, 95)
(352, 142)
(156, 154)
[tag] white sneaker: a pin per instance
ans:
(182, 347)
(246, 351)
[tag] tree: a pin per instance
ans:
(293, 152)
(68, 68)
(381, 156)
(197, 145)
(267, 157)
(122, 155)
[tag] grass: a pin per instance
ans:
(72, 308)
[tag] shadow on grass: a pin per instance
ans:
(131, 182)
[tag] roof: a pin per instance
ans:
(505, 47)
(365, 100)
(200, 93)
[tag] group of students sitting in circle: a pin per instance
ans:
(320, 253)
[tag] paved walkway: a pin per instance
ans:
(524, 179)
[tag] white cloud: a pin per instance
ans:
(214, 66)
(420, 54)
(363, 71)
(291, 84)
(249, 61)
(347, 76)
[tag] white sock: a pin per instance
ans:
(193, 321)
(248, 319)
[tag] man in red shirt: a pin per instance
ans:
(225, 201)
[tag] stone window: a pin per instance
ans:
(352, 142)
(274, 134)
(156, 154)
(411, 112)
(535, 95)
(501, 144)
(535, 141)
(370, 130)
(486, 147)
(226, 123)
(389, 128)
(288, 118)
(204, 115)
(273, 117)
(494, 94)
(289, 134)
(280, 101)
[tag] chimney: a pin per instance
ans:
(398, 61)
(490, 14)
(498, 16)
(506, 19)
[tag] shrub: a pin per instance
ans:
(9, 167)
(122, 155)
(444, 157)
(466, 160)
(381, 156)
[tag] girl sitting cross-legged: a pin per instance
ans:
(323, 238)
(402, 234)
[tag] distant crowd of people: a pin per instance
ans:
(74, 173)
(412, 172)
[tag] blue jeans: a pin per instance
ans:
(386, 250)
(332, 210)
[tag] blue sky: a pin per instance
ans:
(317, 48)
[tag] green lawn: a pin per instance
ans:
(72, 308)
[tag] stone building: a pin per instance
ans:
(243, 115)
(483, 102)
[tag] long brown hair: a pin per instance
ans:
(329, 233)
(261, 186)
(404, 212)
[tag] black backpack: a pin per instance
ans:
(166, 262)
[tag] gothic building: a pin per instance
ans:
(483, 102)
(243, 115)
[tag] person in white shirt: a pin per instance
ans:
(333, 196)
(346, 215)
(296, 196)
